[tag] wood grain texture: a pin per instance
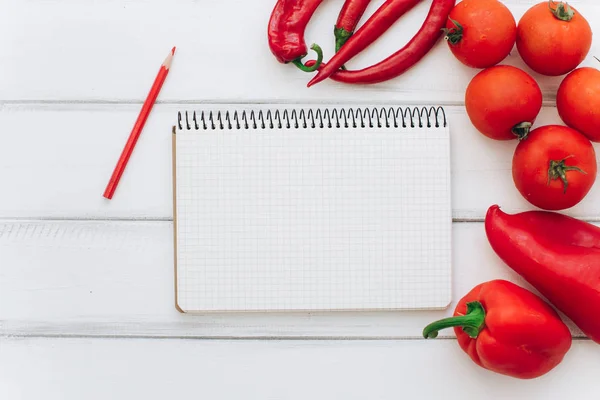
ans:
(73, 369)
(70, 50)
(55, 161)
(74, 76)
(116, 279)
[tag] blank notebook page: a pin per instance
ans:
(313, 219)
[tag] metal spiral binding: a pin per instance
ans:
(343, 117)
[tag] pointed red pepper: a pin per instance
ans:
(397, 63)
(507, 329)
(287, 24)
(348, 18)
(558, 255)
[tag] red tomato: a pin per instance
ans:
(481, 33)
(555, 167)
(578, 101)
(553, 38)
(503, 102)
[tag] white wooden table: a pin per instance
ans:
(86, 285)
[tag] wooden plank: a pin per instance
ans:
(116, 279)
(157, 369)
(63, 174)
(66, 156)
(222, 53)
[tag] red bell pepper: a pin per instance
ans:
(507, 329)
(287, 24)
(558, 255)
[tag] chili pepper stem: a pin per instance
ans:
(521, 131)
(398, 62)
(472, 322)
(561, 12)
(341, 36)
(298, 62)
(558, 169)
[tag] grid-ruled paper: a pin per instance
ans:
(313, 219)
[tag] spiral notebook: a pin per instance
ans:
(312, 209)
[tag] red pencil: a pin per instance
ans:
(139, 125)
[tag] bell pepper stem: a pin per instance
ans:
(298, 62)
(472, 322)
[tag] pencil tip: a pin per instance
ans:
(169, 59)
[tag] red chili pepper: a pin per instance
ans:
(351, 12)
(507, 329)
(558, 255)
(287, 25)
(381, 20)
(397, 63)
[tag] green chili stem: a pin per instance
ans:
(298, 62)
(341, 36)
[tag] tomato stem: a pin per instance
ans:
(558, 169)
(521, 131)
(563, 11)
(454, 35)
(472, 322)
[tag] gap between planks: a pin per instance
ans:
(17, 335)
(7, 220)
(274, 101)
